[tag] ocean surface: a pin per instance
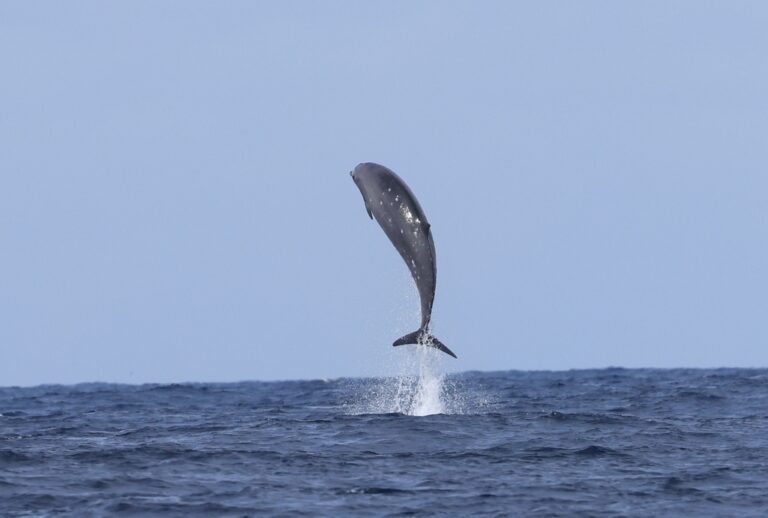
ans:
(610, 442)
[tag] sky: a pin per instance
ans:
(175, 199)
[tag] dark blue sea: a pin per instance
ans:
(610, 442)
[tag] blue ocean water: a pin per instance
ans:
(610, 442)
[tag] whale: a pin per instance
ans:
(389, 201)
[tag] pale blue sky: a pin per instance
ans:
(175, 202)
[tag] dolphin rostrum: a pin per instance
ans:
(389, 200)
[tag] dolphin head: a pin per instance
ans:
(357, 172)
(365, 169)
(362, 175)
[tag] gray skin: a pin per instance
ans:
(391, 203)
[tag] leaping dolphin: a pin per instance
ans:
(389, 200)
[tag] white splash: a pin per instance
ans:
(420, 388)
(428, 399)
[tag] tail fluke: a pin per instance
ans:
(410, 338)
(421, 337)
(434, 342)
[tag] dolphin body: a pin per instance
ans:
(389, 200)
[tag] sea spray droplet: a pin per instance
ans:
(429, 387)
(419, 388)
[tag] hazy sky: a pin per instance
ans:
(175, 199)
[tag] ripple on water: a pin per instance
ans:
(615, 442)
